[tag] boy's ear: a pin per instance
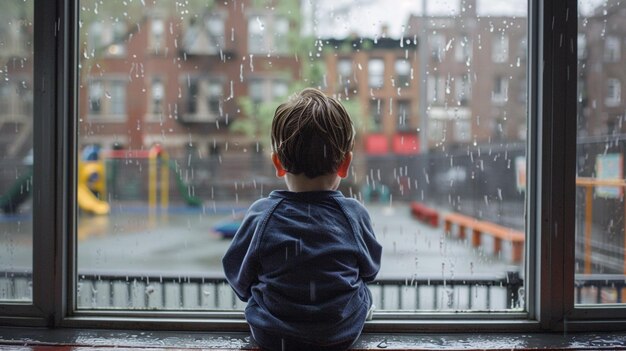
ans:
(280, 171)
(342, 171)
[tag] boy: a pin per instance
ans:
(301, 257)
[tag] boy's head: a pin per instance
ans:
(311, 134)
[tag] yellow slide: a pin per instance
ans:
(88, 202)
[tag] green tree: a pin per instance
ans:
(257, 120)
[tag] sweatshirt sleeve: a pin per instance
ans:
(369, 262)
(241, 263)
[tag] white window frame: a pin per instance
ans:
(500, 48)
(612, 48)
(376, 72)
(500, 92)
(613, 92)
(272, 38)
(551, 163)
(107, 113)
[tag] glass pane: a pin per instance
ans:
(16, 150)
(600, 183)
(175, 105)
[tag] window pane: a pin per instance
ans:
(174, 123)
(600, 184)
(16, 150)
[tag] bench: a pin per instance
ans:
(425, 214)
(478, 228)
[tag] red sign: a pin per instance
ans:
(376, 144)
(405, 144)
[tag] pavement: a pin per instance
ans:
(182, 243)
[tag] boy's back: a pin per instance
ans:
(312, 253)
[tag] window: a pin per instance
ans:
(404, 116)
(600, 240)
(203, 100)
(500, 49)
(464, 90)
(267, 89)
(158, 97)
(376, 73)
(436, 89)
(500, 91)
(463, 49)
(16, 154)
(268, 34)
(205, 35)
(157, 34)
(613, 92)
(437, 45)
(376, 108)
(612, 49)
(108, 38)
(154, 221)
(403, 73)
(344, 70)
(107, 99)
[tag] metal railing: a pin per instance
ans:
(178, 292)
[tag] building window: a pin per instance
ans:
(376, 115)
(437, 46)
(436, 89)
(463, 50)
(344, 71)
(157, 34)
(204, 100)
(262, 90)
(500, 48)
(463, 90)
(107, 99)
(205, 35)
(404, 116)
(107, 38)
(158, 96)
(500, 92)
(376, 73)
(16, 98)
(268, 34)
(612, 49)
(613, 92)
(403, 73)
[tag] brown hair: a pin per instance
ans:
(311, 133)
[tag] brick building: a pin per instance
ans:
(476, 76)
(178, 82)
(601, 74)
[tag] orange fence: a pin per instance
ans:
(478, 228)
(589, 184)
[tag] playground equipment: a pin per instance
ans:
(17, 193)
(90, 180)
(159, 167)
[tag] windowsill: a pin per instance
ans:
(233, 341)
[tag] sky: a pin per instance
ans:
(339, 18)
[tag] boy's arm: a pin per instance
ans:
(241, 259)
(369, 261)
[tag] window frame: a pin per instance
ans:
(550, 205)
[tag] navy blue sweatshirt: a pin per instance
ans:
(301, 261)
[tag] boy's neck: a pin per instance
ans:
(300, 183)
